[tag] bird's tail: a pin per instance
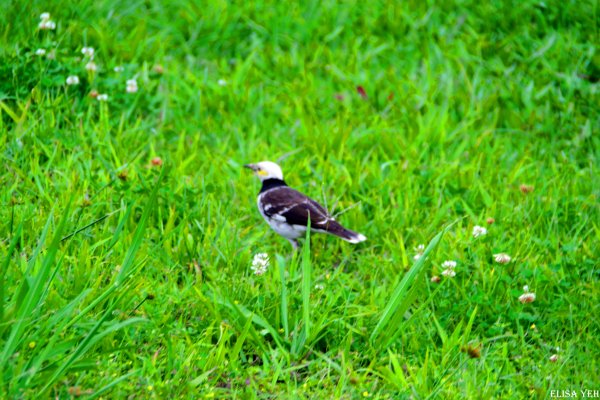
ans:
(334, 228)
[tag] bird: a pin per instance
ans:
(287, 211)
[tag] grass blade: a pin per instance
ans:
(11, 249)
(306, 275)
(33, 295)
(284, 297)
(401, 300)
(139, 232)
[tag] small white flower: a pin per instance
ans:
(222, 82)
(91, 66)
(419, 249)
(449, 272)
(132, 86)
(554, 358)
(449, 264)
(319, 286)
(502, 258)
(88, 51)
(47, 25)
(40, 52)
(118, 69)
(45, 16)
(526, 288)
(527, 298)
(73, 80)
(479, 231)
(102, 97)
(260, 263)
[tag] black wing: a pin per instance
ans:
(291, 205)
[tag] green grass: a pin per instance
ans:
(122, 278)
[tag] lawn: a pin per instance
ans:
(460, 137)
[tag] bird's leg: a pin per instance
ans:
(294, 243)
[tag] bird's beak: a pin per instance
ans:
(253, 167)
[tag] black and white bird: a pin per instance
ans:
(287, 211)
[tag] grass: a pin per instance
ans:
(415, 121)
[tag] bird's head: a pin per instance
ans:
(266, 170)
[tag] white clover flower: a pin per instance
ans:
(91, 66)
(222, 82)
(73, 80)
(118, 69)
(46, 23)
(502, 258)
(554, 358)
(40, 52)
(132, 86)
(319, 286)
(260, 263)
(527, 297)
(449, 264)
(88, 51)
(102, 97)
(419, 249)
(479, 231)
(449, 272)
